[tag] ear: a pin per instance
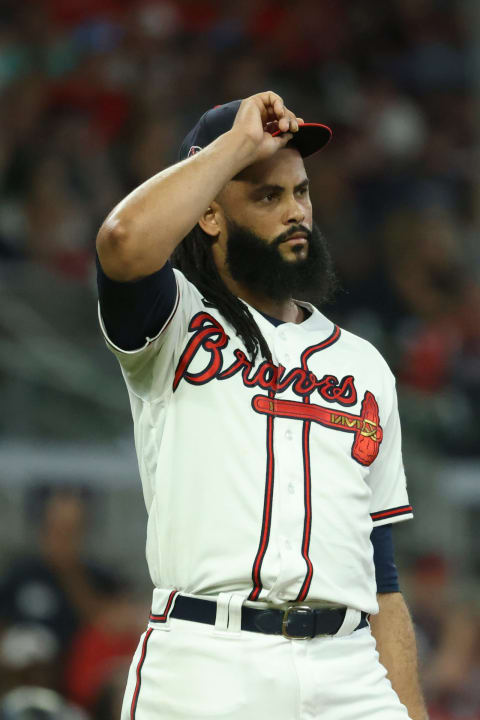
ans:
(211, 220)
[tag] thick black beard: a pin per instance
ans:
(258, 264)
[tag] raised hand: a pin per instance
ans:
(261, 115)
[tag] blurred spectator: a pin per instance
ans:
(36, 703)
(101, 652)
(109, 702)
(438, 333)
(448, 637)
(54, 587)
(29, 656)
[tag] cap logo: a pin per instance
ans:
(194, 150)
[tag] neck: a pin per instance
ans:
(285, 310)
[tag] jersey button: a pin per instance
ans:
(291, 488)
(288, 544)
(283, 335)
(288, 434)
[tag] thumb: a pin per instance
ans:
(283, 138)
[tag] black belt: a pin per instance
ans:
(296, 622)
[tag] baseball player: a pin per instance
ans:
(268, 441)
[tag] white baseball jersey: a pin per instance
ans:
(264, 480)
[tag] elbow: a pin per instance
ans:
(111, 236)
(114, 250)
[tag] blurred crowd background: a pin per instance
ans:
(96, 96)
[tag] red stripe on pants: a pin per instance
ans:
(133, 707)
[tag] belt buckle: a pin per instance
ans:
(305, 609)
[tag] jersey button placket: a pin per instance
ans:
(289, 473)
(289, 438)
(291, 505)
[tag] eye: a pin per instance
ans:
(269, 197)
(303, 190)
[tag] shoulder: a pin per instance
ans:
(184, 283)
(365, 349)
(347, 346)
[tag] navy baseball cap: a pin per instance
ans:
(310, 138)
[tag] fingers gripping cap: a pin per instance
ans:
(310, 138)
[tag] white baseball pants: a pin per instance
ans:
(186, 670)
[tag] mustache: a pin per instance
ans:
(290, 232)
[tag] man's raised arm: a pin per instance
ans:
(142, 231)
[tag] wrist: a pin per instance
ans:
(238, 150)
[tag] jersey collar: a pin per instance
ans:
(316, 323)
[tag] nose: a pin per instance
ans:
(294, 212)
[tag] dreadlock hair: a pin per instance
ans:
(194, 258)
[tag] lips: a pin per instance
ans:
(297, 236)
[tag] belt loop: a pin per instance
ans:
(235, 613)
(350, 622)
(162, 606)
(221, 618)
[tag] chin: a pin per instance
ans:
(296, 256)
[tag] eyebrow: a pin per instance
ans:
(279, 188)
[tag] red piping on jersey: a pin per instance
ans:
(267, 508)
(321, 346)
(267, 512)
(307, 525)
(133, 707)
(163, 617)
(401, 510)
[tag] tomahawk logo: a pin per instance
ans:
(365, 427)
(209, 336)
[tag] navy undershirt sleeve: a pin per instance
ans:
(383, 557)
(135, 311)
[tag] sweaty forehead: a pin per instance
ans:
(284, 168)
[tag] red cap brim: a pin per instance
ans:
(310, 138)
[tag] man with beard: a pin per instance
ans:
(268, 441)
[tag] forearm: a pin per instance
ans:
(141, 232)
(395, 638)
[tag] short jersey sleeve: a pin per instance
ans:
(148, 371)
(388, 484)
